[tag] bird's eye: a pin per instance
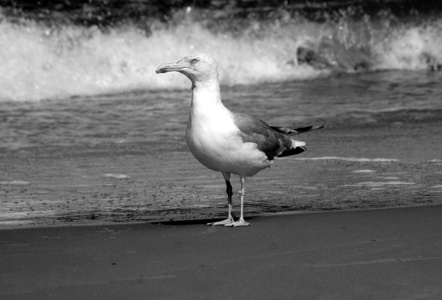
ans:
(194, 61)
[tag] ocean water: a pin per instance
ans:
(78, 81)
(58, 49)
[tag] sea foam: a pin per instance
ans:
(40, 61)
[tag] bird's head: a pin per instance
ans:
(200, 68)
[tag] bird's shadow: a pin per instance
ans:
(190, 221)
(185, 222)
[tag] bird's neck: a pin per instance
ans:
(206, 95)
(210, 84)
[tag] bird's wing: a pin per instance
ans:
(294, 131)
(268, 140)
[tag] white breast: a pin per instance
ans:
(214, 139)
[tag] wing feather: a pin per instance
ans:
(268, 140)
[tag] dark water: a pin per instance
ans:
(161, 116)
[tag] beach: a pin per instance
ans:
(100, 197)
(356, 216)
(365, 254)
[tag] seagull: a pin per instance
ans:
(226, 141)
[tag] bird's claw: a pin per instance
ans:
(240, 223)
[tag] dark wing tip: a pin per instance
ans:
(285, 130)
(292, 151)
(308, 128)
(294, 131)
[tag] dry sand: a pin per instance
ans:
(371, 254)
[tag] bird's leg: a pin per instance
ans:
(242, 193)
(229, 219)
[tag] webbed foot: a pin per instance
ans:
(225, 222)
(240, 223)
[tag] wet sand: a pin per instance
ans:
(368, 254)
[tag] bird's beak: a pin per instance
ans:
(171, 67)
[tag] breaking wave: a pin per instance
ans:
(48, 57)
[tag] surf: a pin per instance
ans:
(45, 58)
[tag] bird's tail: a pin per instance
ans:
(297, 146)
(294, 131)
(296, 143)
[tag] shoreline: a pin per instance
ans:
(126, 183)
(204, 221)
